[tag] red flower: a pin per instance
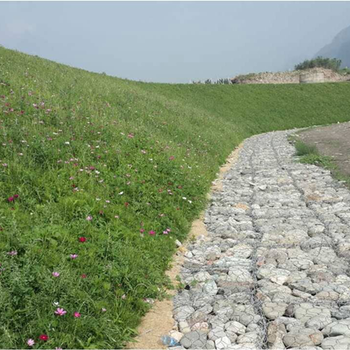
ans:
(44, 337)
(82, 239)
(126, 204)
(16, 196)
(83, 275)
(10, 199)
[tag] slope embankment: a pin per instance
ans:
(100, 176)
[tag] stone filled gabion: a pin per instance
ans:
(274, 269)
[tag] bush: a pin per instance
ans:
(329, 63)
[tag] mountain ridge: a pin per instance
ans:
(338, 48)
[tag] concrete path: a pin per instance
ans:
(274, 270)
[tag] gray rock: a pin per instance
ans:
(341, 327)
(194, 340)
(303, 337)
(274, 310)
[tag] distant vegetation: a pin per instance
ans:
(328, 63)
(98, 178)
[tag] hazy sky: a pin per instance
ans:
(172, 41)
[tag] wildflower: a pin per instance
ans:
(142, 230)
(77, 314)
(16, 196)
(171, 158)
(60, 312)
(58, 348)
(165, 232)
(103, 309)
(12, 253)
(123, 296)
(67, 143)
(56, 303)
(89, 218)
(44, 337)
(30, 342)
(4, 165)
(120, 193)
(10, 199)
(55, 274)
(83, 275)
(152, 232)
(82, 239)
(74, 256)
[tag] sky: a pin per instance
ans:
(173, 42)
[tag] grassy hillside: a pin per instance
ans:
(98, 178)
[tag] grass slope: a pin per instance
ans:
(137, 159)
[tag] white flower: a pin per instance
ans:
(120, 193)
(66, 143)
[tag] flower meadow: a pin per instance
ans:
(98, 178)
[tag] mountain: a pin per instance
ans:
(338, 48)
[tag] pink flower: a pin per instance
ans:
(103, 309)
(142, 230)
(82, 239)
(165, 232)
(30, 342)
(123, 296)
(74, 256)
(83, 275)
(55, 274)
(171, 158)
(60, 312)
(77, 314)
(12, 253)
(152, 232)
(16, 196)
(89, 218)
(10, 199)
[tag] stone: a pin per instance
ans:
(181, 313)
(222, 343)
(235, 327)
(303, 337)
(249, 337)
(336, 343)
(210, 288)
(194, 340)
(318, 322)
(341, 327)
(273, 310)
(184, 327)
(305, 311)
(216, 333)
(176, 335)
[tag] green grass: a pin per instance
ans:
(309, 154)
(305, 149)
(135, 157)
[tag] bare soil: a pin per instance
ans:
(332, 141)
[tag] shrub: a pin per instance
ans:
(329, 63)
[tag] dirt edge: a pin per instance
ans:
(159, 320)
